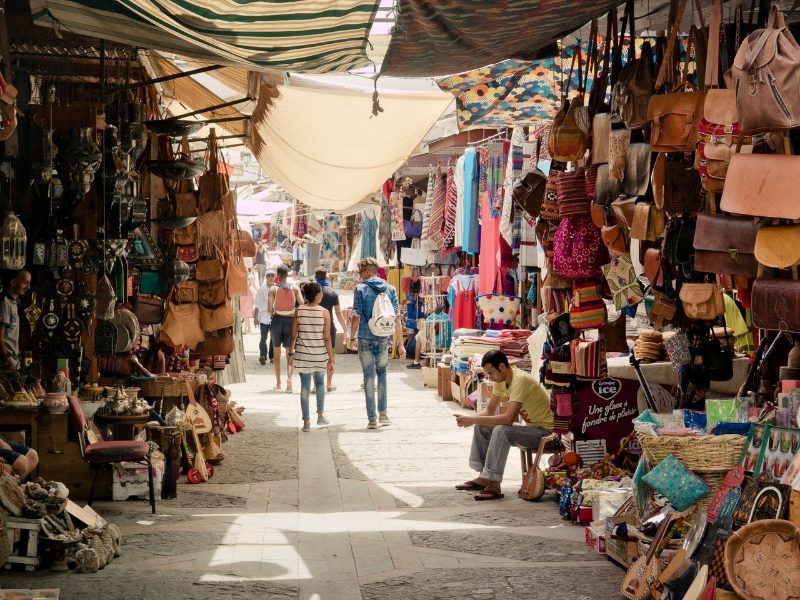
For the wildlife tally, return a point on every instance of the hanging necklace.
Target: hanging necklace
(32, 313)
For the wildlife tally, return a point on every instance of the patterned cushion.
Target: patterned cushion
(676, 483)
(107, 452)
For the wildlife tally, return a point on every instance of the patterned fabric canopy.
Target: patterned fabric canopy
(512, 92)
(437, 37)
(312, 36)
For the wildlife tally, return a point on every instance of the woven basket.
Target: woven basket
(699, 454)
(169, 387)
(777, 544)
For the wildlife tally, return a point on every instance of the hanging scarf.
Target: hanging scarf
(514, 158)
(450, 205)
(426, 215)
(437, 210)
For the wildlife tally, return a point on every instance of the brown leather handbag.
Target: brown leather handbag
(676, 185)
(528, 191)
(676, 115)
(237, 277)
(762, 185)
(648, 223)
(614, 239)
(184, 236)
(702, 301)
(654, 267)
(185, 291)
(568, 141)
(765, 76)
(212, 293)
(624, 209)
(217, 343)
(149, 309)
(243, 243)
(217, 317)
(776, 304)
(631, 93)
(725, 244)
(181, 326)
(210, 269)
(185, 204)
(778, 246)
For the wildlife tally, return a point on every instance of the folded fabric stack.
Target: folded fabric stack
(467, 345)
(649, 346)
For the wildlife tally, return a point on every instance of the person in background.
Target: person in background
(9, 319)
(298, 255)
(373, 351)
(330, 302)
(23, 460)
(494, 434)
(311, 351)
(261, 262)
(283, 297)
(261, 317)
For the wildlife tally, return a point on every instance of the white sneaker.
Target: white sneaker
(372, 424)
(383, 419)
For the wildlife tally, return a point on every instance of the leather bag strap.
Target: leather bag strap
(712, 58)
(673, 36)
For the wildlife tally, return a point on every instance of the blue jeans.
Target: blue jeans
(491, 443)
(374, 356)
(305, 388)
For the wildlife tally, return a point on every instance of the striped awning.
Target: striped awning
(311, 36)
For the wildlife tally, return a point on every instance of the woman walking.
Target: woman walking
(311, 350)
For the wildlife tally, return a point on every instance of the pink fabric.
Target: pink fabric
(490, 250)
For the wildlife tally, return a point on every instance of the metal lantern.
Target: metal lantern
(82, 158)
(12, 243)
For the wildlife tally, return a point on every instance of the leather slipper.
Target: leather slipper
(488, 495)
(470, 486)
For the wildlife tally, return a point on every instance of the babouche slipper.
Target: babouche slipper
(470, 486)
(488, 495)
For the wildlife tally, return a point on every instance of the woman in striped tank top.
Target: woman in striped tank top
(311, 350)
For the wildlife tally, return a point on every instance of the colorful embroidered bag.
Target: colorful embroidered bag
(621, 278)
(571, 190)
(578, 249)
(499, 309)
(586, 308)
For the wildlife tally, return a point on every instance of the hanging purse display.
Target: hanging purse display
(186, 291)
(623, 209)
(614, 239)
(578, 249)
(217, 343)
(187, 254)
(676, 184)
(549, 211)
(675, 116)
(607, 189)
(702, 301)
(185, 205)
(726, 244)
(528, 191)
(217, 317)
(621, 278)
(588, 359)
(181, 326)
(630, 96)
(654, 266)
(236, 276)
(648, 223)
(571, 190)
(637, 170)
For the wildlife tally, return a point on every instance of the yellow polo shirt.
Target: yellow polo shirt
(528, 392)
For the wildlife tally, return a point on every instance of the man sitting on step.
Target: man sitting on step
(495, 433)
(23, 460)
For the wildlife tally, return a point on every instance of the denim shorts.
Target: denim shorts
(17, 450)
(281, 331)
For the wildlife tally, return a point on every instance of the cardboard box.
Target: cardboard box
(595, 540)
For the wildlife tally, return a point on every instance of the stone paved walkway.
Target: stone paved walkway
(342, 513)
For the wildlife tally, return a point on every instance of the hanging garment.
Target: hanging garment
(458, 180)
(508, 184)
(471, 183)
(426, 213)
(369, 235)
(437, 211)
(528, 250)
(448, 228)
(384, 218)
(330, 237)
(490, 248)
(396, 208)
(464, 303)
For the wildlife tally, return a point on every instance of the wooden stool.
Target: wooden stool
(526, 454)
(26, 532)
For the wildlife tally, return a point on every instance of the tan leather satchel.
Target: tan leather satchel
(185, 236)
(702, 301)
(181, 326)
(217, 317)
(778, 246)
(648, 223)
(614, 239)
(568, 140)
(237, 277)
(762, 185)
(765, 76)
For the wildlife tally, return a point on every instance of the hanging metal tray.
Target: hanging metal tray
(176, 169)
(174, 127)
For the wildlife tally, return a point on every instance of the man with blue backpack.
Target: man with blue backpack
(376, 316)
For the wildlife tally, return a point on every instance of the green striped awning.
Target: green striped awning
(311, 36)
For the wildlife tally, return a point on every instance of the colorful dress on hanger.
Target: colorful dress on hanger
(463, 302)
(471, 185)
(490, 248)
(330, 237)
(369, 234)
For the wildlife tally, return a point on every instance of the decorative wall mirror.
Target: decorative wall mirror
(143, 252)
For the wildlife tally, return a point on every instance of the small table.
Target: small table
(122, 427)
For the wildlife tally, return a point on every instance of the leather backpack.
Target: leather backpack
(569, 136)
(528, 191)
(765, 77)
(631, 92)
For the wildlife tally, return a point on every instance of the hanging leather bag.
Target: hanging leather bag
(676, 184)
(185, 204)
(702, 301)
(528, 191)
(726, 244)
(568, 140)
(149, 309)
(765, 77)
(778, 246)
(236, 277)
(675, 116)
(184, 236)
(776, 304)
(243, 243)
(630, 95)
(217, 317)
(217, 343)
(181, 326)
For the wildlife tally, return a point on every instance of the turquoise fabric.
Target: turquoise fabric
(676, 483)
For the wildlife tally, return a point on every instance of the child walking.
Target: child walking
(311, 350)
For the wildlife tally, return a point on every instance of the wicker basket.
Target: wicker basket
(706, 453)
(168, 387)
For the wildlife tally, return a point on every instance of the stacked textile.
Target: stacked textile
(467, 345)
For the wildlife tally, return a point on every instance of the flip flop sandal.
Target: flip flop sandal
(470, 486)
(332, 388)
(488, 495)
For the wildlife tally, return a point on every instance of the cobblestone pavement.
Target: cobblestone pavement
(342, 512)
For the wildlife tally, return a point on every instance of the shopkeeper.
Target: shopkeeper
(495, 433)
(9, 319)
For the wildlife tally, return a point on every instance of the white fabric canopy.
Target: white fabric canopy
(325, 148)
